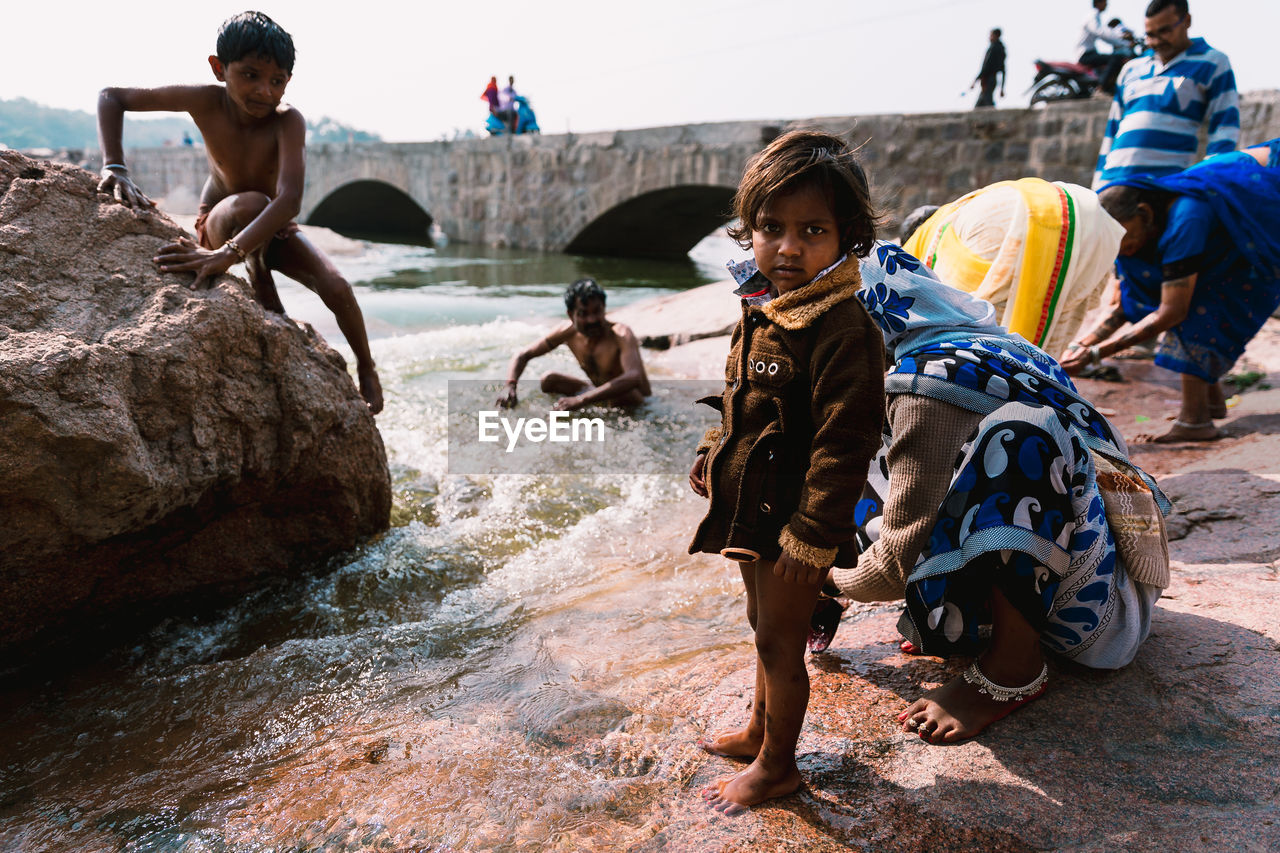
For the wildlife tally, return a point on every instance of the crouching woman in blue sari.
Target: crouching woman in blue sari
(1200, 260)
(1002, 507)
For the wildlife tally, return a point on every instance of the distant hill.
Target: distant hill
(25, 124)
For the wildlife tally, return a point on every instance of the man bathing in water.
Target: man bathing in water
(254, 191)
(607, 352)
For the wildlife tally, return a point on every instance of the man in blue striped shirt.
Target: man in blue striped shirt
(1164, 97)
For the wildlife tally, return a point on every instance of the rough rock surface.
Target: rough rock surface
(156, 443)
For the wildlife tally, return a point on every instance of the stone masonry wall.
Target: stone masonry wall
(540, 192)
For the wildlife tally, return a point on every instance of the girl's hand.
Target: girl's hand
(696, 480)
(186, 256)
(792, 570)
(118, 183)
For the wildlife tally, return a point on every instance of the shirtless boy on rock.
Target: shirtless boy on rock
(607, 352)
(254, 191)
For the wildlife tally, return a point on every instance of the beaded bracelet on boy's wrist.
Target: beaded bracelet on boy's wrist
(121, 166)
(235, 247)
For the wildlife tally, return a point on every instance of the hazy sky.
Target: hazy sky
(415, 70)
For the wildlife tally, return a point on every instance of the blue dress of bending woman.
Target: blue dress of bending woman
(1200, 261)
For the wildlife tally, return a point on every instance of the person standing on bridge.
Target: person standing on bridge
(992, 67)
(254, 191)
(507, 106)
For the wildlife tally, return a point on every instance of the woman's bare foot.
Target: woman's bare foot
(956, 711)
(909, 648)
(735, 794)
(1182, 431)
(737, 744)
(370, 387)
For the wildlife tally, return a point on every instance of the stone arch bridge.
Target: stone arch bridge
(656, 192)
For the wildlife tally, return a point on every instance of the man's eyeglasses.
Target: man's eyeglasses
(1164, 32)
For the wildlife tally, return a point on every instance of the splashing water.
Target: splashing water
(516, 664)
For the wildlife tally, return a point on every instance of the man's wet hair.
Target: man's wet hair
(254, 34)
(1155, 7)
(584, 289)
(808, 158)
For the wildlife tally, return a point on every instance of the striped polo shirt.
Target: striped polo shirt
(1158, 110)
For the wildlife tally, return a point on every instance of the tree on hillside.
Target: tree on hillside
(24, 124)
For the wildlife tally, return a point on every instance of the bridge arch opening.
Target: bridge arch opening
(372, 208)
(665, 223)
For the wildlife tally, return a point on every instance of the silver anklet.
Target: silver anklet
(1181, 423)
(974, 676)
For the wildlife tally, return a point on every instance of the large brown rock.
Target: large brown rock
(156, 443)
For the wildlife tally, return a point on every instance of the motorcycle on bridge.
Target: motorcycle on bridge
(1069, 81)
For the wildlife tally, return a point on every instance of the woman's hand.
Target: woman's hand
(118, 183)
(186, 256)
(1077, 357)
(696, 480)
(793, 570)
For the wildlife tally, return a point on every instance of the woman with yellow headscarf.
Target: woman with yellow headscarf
(1040, 252)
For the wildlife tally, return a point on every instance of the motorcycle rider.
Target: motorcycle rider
(1121, 42)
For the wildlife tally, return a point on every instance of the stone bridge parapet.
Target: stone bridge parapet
(658, 191)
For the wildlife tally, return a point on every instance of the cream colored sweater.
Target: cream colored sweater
(927, 437)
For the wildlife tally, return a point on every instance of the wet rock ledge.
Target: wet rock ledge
(157, 444)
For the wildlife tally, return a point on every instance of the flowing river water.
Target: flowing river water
(516, 664)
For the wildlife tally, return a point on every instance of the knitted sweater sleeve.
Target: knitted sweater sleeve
(927, 437)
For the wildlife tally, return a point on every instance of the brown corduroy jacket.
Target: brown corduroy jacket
(801, 415)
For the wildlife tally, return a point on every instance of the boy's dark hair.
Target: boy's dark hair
(584, 289)
(996, 32)
(253, 33)
(803, 158)
(1155, 7)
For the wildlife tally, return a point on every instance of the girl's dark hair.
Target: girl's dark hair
(808, 158)
(253, 33)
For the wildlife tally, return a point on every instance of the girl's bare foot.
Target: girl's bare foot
(1182, 431)
(956, 711)
(736, 744)
(735, 794)
(370, 387)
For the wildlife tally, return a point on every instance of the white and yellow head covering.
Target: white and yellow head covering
(1040, 252)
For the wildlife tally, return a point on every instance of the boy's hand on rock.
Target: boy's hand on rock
(186, 256)
(792, 570)
(123, 189)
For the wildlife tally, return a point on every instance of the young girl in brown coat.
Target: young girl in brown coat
(801, 418)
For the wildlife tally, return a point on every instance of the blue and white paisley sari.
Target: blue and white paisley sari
(1023, 511)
